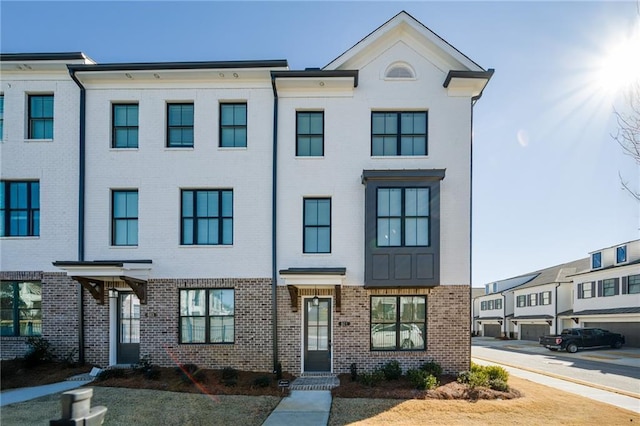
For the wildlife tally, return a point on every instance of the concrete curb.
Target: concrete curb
(565, 378)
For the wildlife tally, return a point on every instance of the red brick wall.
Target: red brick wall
(448, 338)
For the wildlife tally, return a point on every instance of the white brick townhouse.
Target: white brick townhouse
(244, 214)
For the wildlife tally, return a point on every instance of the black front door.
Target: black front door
(128, 328)
(317, 339)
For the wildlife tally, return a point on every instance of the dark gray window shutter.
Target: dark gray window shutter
(625, 285)
(599, 288)
(580, 290)
(616, 286)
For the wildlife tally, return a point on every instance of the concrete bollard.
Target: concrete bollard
(76, 409)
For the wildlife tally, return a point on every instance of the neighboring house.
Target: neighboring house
(243, 214)
(538, 302)
(607, 294)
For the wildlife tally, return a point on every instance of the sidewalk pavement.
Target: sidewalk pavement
(302, 408)
(13, 396)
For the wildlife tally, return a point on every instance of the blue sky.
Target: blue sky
(546, 169)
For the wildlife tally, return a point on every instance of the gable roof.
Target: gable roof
(555, 274)
(405, 22)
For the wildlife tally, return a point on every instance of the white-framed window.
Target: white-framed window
(545, 298)
(621, 254)
(586, 290)
(596, 260)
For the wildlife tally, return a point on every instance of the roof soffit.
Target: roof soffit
(404, 28)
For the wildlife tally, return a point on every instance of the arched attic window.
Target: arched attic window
(399, 71)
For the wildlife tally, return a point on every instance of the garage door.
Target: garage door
(492, 330)
(533, 331)
(631, 330)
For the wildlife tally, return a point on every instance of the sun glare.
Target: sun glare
(620, 65)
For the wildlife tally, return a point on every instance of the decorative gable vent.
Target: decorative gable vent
(399, 71)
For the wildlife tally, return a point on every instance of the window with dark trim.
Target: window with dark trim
(207, 316)
(403, 217)
(398, 323)
(317, 225)
(233, 125)
(609, 287)
(490, 304)
(20, 308)
(310, 133)
(533, 299)
(207, 217)
(633, 281)
(521, 301)
(545, 298)
(180, 125)
(398, 133)
(124, 227)
(498, 303)
(621, 254)
(483, 305)
(19, 209)
(125, 126)
(586, 290)
(40, 117)
(596, 260)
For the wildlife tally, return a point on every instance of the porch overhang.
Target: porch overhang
(300, 280)
(101, 275)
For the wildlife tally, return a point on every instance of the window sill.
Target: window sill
(232, 148)
(316, 254)
(123, 247)
(18, 237)
(404, 157)
(309, 157)
(178, 148)
(37, 140)
(123, 149)
(206, 246)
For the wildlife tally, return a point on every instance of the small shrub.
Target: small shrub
(499, 385)
(262, 381)
(422, 380)
(112, 373)
(229, 373)
(373, 378)
(392, 370)
(39, 351)
(354, 371)
(70, 358)
(463, 377)
(496, 372)
(478, 378)
(432, 368)
(279, 371)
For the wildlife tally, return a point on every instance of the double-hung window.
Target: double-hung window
(633, 281)
(403, 217)
(398, 133)
(317, 225)
(521, 301)
(1, 116)
(207, 217)
(398, 323)
(125, 218)
(498, 303)
(545, 298)
(207, 316)
(233, 125)
(40, 117)
(20, 308)
(125, 126)
(586, 290)
(19, 209)
(609, 287)
(180, 125)
(309, 134)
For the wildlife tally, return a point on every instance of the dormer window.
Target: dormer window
(399, 71)
(596, 260)
(621, 254)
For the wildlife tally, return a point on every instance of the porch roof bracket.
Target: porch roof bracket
(139, 287)
(95, 287)
(293, 294)
(338, 298)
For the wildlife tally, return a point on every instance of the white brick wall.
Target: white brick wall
(54, 163)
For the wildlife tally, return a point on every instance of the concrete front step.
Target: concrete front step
(315, 381)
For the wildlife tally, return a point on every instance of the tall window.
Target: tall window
(125, 218)
(19, 209)
(180, 125)
(207, 316)
(317, 225)
(1, 116)
(20, 308)
(403, 217)
(533, 299)
(596, 260)
(233, 125)
(125, 126)
(621, 254)
(309, 134)
(634, 284)
(40, 116)
(207, 217)
(498, 303)
(399, 133)
(586, 290)
(398, 323)
(545, 298)
(609, 287)
(521, 301)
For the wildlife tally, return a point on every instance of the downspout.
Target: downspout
(81, 202)
(274, 223)
(504, 313)
(471, 226)
(555, 317)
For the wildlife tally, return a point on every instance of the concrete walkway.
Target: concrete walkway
(13, 396)
(302, 408)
